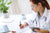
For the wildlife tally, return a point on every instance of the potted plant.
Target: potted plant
(4, 8)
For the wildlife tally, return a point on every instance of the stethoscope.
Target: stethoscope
(35, 21)
(45, 19)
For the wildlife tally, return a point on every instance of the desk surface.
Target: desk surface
(13, 24)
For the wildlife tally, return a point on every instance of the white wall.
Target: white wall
(20, 7)
(14, 8)
(24, 6)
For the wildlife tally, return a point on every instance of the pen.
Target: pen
(36, 22)
(20, 24)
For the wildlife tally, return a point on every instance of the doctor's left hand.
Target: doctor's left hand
(41, 31)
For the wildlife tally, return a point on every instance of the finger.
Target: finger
(20, 24)
(22, 27)
(41, 29)
(36, 30)
(13, 31)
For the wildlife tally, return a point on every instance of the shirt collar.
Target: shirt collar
(44, 14)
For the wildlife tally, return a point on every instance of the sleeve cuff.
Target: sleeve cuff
(49, 31)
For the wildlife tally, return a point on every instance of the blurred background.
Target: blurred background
(20, 7)
(18, 10)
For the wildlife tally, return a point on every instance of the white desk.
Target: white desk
(13, 24)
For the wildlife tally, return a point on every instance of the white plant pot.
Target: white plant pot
(1, 14)
(6, 15)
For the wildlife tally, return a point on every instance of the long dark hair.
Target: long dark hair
(43, 2)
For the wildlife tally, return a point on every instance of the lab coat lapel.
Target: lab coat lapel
(45, 13)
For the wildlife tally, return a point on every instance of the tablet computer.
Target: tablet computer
(32, 28)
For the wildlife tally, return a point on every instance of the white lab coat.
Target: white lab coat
(42, 22)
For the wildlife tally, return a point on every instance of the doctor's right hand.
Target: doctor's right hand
(14, 32)
(23, 25)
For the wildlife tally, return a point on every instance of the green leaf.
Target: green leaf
(0, 0)
(3, 7)
(7, 8)
(0, 5)
(9, 3)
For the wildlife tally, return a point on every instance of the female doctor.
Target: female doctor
(41, 7)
